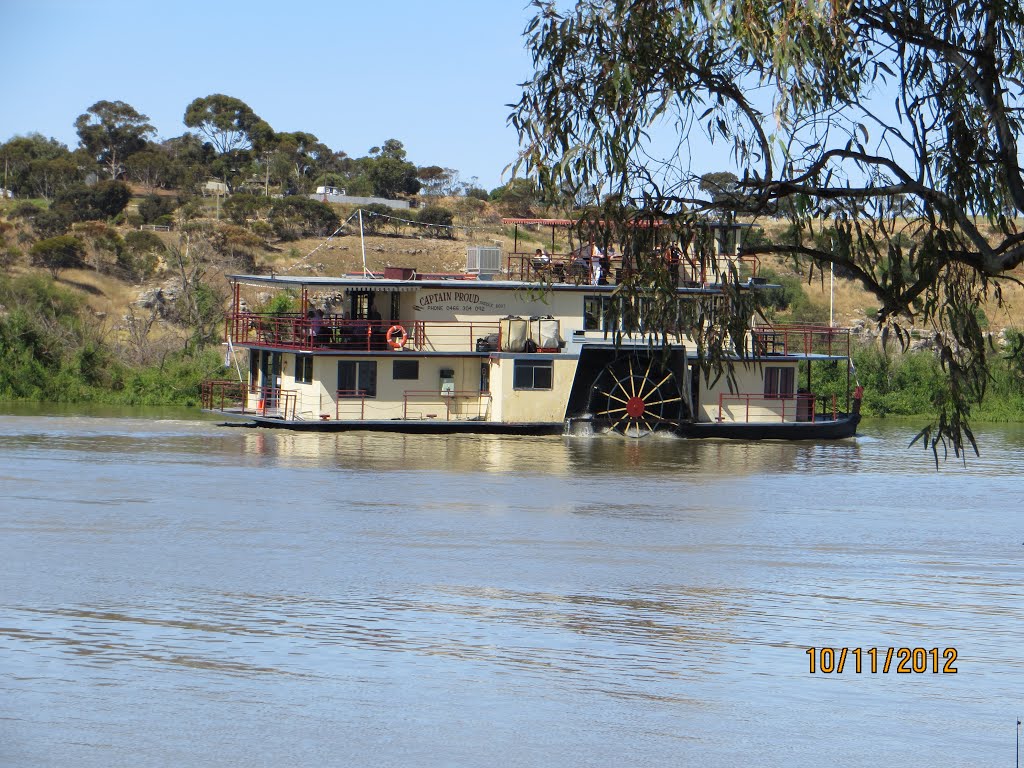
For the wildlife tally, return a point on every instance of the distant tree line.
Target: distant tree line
(229, 142)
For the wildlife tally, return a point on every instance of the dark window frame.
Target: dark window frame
(525, 378)
(779, 381)
(396, 364)
(303, 369)
(363, 376)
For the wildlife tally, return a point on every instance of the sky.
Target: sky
(437, 76)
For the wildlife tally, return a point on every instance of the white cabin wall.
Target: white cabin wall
(533, 405)
(749, 380)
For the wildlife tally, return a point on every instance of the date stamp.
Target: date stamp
(902, 661)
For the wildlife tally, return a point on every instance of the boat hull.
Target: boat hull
(832, 429)
(427, 427)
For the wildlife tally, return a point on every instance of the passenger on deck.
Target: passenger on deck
(311, 326)
(378, 332)
(540, 261)
(321, 332)
(595, 265)
(606, 265)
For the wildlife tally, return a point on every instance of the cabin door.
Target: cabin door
(270, 376)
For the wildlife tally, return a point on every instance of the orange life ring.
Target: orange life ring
(397, 337)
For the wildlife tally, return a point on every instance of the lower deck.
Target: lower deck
(633, 391)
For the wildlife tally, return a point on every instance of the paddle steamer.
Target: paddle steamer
(523, 342)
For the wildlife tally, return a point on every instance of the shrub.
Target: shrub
(58, 253)
(140, 256)
(295, 217)
(375, 217)
(154, 207)
(81, 203)
(438, 221)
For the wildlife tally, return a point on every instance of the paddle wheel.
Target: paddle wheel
(636, 396)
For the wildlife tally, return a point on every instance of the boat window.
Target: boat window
(485, 377)
(532, 374)
(303, 369)
(360, 306)
(357, 378)
(405, 369)
(779, 381)
(598, 314)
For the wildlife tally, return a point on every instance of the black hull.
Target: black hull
(832, 429)
(422, 427)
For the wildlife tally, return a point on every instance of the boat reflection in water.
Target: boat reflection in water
(602, 455)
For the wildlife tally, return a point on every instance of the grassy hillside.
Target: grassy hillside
(112, 348)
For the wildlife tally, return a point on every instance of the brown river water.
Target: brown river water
(174, 592)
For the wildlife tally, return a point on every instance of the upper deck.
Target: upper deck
(363, 315)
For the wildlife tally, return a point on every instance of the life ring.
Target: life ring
(397, 337)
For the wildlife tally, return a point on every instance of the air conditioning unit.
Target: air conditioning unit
(484, 261)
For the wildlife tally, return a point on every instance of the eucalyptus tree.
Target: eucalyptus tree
(149, 167)
(29, 164)
(229, 123)
(111, 131)
(896, 124)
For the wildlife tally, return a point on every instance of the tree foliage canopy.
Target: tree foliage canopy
(229, 123)
(894, 123)
(111, 131)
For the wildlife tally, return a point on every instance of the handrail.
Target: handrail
(803, 339)
(559, 268)
(220, 391)
(350, 394)
(447, 397)
(334, 332)
(804, 404)
(277, 399)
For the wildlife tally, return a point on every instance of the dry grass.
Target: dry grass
(110, 297)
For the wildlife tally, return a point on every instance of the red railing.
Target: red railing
(294, 331)
(444, 400)
(348, 395)
(801, 340)
(221, 394)
(558, 268)
(800, 407)
(277, 402)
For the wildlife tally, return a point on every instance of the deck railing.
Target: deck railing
(350, 397)
(298, 332)
(799, 407)
(274, 401)
(453, 403)
(564, 268)
(222, 394)
(801, 340)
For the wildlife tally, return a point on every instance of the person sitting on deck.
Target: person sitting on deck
(540, 261)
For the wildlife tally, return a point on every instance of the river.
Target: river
(175, 592)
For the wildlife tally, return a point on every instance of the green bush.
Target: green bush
(153, 207)
(295, 217)
(140, 256)
(51, 349)
(438, 221)
(58, 253)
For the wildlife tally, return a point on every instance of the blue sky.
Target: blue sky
(437, 75)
